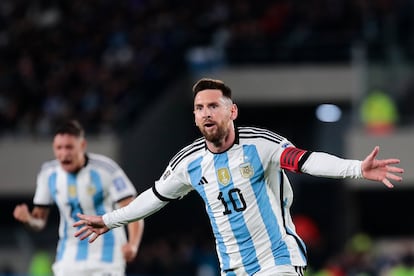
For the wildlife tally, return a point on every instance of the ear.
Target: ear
(234, 112)
(84, 144)
(195, 121)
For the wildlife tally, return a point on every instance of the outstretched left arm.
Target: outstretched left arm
(142, 206)
(328, 165)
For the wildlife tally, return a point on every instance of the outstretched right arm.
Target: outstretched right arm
(143, 206)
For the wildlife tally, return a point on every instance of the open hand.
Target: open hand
(90, 225)
(381, 170)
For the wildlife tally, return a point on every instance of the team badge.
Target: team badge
(72, 191)
(246, 170)
(223, 176)
(91, 190)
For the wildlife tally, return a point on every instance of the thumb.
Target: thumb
(374, 153)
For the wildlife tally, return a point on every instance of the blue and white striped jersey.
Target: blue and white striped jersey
(247, 198)
(93, 190)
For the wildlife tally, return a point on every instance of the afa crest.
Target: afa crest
(72, 191)
(91, 190)
(246, 170)
(223, 176)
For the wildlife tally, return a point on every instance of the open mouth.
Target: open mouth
(209, 126)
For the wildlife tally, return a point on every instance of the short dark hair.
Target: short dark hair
(206, 83)
(72, 127)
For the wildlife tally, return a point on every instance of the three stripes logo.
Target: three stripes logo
(203, 181)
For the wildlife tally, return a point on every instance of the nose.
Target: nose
(207, 116)
(206, 113)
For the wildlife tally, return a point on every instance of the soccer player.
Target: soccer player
(79, 181)
(240, 174)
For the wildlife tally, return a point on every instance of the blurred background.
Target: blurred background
(330, 75)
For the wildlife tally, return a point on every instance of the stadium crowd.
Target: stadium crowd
(106, 61)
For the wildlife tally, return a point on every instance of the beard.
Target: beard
(216, 136)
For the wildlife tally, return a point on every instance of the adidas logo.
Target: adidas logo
(203, 181)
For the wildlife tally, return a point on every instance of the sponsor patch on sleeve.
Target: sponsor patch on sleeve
(166, 174)
(285, 145)
(119, 184)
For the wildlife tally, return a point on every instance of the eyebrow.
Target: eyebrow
(208, 104)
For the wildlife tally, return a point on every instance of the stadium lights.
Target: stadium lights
(328, 113)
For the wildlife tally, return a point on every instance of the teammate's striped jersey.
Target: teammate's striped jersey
(247, 198)
(93, 190)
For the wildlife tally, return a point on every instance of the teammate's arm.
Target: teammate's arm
(135, 232)
(36, 219)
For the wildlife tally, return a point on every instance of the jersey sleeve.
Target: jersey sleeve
(43, 195)
(278, 152)
(141, 207)
(328, 165)
(173, 184)
(121, 186)
(316, 163)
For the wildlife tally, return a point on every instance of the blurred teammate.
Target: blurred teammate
(90, 183)
(240, 174)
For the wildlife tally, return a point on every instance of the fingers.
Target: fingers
(93, 238)
(391, 173)
(82, 222)
(374, 153)
(21, 212)
(394, 177)
(395, 169)
(90, 235)
(83, 233)
(86, 232)
(391, 161)
(19, 209)
(21, 206)
(387, 183)
(81, 216)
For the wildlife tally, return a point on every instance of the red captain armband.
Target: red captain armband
(290, 158)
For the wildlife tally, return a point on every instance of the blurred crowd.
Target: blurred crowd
(319, 30)
(106, 61)
(101, 61)
(364, 256)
